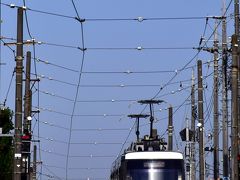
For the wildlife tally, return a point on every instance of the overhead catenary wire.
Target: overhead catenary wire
(89, 168)
(138, 48)
(53, 125)
(47, 62)
(26, 19)
(38, 11)
(92, 156)
(106, 115)
(103, 72)
(113, 100)
(13, 51)
(55, 65)
(110, 85)
(171, 79)
(77, 89)
(77, 156)
(53, 174)
(102, 129)
(51, 139)
(35, 68)
(8, 90)
(200, 49)
(84, 129)
(99, 115)
(78, 168)
(96, 85)
(204, 77)
(79, 115)
(52, 152)
(139, 19)
(209, 107)
(51, 13)
(52, 166)
(181, 87)
(89, 101)
(116, 100)
(185, 66)
(96, 143)
(87, 72)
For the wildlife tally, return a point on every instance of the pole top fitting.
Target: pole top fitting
(138, 115)
(80, 19)
(150, 101)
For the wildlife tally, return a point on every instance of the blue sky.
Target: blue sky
(115, 74)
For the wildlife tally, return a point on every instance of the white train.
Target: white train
(147, 158)
(149, 164)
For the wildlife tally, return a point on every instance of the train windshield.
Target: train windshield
(155, 170)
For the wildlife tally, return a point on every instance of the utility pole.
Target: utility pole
(234, 127)
(236, 17)
(215, 114)
(193, 112)
(26, 138)
(236, 22)
(18, 100)
(28, 95)
(224, 95)
(170, 128)
(201, 123)
(187, 151)
(34, 176)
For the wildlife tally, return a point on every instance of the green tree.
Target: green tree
(6, 145)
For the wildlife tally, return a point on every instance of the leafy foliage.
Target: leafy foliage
(6, 145)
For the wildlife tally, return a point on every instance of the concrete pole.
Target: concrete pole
(215, 114)
(235, 95)
(27, 119)
(27, 104)
(234, 127)
(225, 134)
(18, 100)
(170, 128)
(201, 123)
(193, 112)
(34, 176)
(187, 150)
